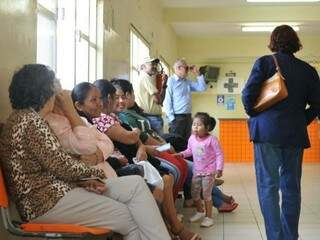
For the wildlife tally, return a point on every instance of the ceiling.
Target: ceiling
(211, 18)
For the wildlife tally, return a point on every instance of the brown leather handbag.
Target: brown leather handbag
(273, 90)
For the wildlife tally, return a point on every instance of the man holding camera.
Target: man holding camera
(147, 95)
(177, 102)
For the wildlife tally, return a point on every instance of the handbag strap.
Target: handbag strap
(277, 66)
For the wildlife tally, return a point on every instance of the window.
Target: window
(165, 66)
(46, 33)
(139, 50)
(76, 56)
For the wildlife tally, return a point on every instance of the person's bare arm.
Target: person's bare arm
(64, 102)
(120, 134)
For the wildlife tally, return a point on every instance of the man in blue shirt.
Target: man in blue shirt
(177, 102)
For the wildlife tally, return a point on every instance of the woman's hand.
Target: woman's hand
(178, 155)
(90, 160)
(219, 173)
(93, 186)
(93, 159)
(64, 102)
(142, 153)
(172, 150)
(123, 160)
(99, 156)
(136, 130)
(152, 150)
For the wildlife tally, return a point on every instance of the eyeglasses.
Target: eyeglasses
(187, 68)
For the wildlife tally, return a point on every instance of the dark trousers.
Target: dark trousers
(181, 125)
(279, 168)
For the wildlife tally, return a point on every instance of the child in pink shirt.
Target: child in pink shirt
(207, 164)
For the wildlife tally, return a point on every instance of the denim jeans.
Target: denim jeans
(156, 123)
(216, 192)
(279, 168)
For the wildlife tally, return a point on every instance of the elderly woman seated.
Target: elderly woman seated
(43, 179)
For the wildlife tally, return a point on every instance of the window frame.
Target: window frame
(135, 32)
(51, 16)
(93, 50)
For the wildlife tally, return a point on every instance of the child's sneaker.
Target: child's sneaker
(197, 216)
(207, 222)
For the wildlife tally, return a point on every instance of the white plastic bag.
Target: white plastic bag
(151, 174)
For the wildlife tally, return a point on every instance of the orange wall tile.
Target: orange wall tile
(234, 138)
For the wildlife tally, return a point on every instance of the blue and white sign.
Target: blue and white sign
(230, 103)
(220, 99)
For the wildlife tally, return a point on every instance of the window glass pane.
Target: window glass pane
(93, 21)
(92, 65)
(51, 5)
(83, 16)
(66, 44)
(139, 51)
(134, 74)
(82, 60)
(135, 50)
(46, 41)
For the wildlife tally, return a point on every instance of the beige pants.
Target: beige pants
(127, 207)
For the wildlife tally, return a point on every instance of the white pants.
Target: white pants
(127, 208)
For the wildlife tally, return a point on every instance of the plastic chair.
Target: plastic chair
(48, 231)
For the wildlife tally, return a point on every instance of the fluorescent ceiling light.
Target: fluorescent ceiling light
(271, 24)
(263, 28)
(280, 1)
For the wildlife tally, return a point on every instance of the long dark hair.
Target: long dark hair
(79, 94)
(106, 89)
(208, 122)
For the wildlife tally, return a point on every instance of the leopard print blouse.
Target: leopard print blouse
(38, 171)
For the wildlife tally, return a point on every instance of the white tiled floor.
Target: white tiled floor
(246, 222)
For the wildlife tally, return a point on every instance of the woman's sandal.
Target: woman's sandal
(229, 208)
(184, 233)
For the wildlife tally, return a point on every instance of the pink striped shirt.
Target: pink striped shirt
(207, 154)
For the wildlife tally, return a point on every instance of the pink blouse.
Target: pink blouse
(82, 140)
(104, 122)
(207, 154)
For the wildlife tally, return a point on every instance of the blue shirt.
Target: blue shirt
(178, 95)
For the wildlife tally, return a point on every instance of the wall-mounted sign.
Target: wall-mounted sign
(220, 99)
(230, 103)
(230, 85)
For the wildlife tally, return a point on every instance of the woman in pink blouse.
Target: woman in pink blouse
(81, 140)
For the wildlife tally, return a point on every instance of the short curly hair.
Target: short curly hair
(32, 86)
(284, 38)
